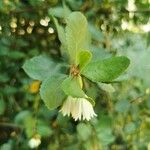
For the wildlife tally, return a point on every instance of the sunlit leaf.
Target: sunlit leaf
(71, 86)
(84, 58)
(76, 35)
(106, 70)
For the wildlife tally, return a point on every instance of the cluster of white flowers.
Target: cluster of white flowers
(79, 108)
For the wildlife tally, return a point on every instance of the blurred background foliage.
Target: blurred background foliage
(123, 107)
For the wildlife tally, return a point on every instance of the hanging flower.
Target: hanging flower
(34, 142)
(78, 108)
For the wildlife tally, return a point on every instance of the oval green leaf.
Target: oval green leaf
(71, 86)
(84, 58)
(106, 70)
(51, 92)
(39, 67)
(76, 35)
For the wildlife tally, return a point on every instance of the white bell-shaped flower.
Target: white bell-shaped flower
(34, 142)
(79, 108)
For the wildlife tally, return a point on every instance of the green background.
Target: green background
(123, 107)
